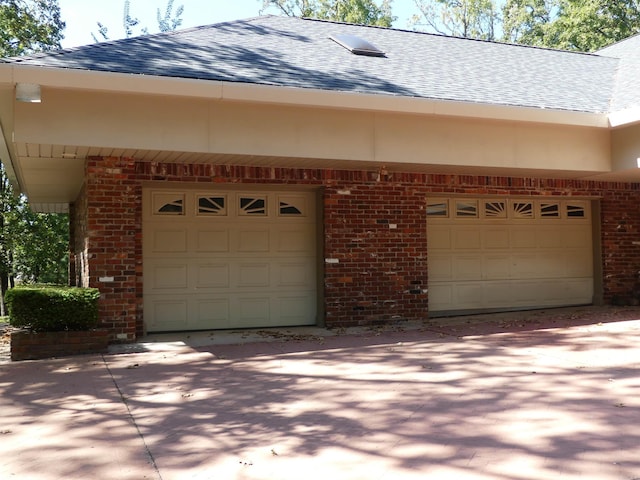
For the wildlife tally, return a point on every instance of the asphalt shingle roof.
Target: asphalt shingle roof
(627, 90)
(293, 52)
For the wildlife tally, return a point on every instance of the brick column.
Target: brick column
(112, 229)
(375, 254)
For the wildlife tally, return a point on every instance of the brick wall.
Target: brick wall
(374, 232)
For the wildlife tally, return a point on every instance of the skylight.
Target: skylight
(357, 45)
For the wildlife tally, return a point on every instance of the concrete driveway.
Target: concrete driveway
(511, 397)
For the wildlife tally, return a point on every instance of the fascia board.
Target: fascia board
(8, 163)
(247, 92)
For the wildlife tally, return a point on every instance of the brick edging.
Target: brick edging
(27, 345)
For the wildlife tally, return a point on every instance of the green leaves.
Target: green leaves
(28, 26)
(363, 12)
(34, 247)
(53, 308)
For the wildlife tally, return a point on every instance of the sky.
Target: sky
(81, 16)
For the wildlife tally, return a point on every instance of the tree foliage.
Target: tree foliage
(167, 22)
(583, 25)
(362, 12)
(34, 247)
(28, 26)
(588, 25)
(461, 18)
(528, 21)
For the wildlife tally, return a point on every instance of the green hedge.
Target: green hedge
(53, 308)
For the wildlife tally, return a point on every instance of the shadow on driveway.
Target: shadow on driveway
(479, 400)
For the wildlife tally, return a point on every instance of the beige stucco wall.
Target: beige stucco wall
(156, 122)
(625, 148)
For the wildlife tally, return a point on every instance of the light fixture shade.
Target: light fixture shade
(28, 92)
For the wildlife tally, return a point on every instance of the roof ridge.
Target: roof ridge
(442, 35)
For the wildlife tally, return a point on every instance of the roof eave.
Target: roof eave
(7, 161)
(294, 96)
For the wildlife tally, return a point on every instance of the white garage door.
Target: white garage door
(228, 259)
(497, 254)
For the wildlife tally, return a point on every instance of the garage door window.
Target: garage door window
(168, 204)
(438, 207)
(522, 209)
(549, 210)
(292, 206)
(467, 208)
(253, 206)
(216, 205)
(576, 210)
(495, 209)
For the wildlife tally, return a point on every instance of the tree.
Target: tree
(461, 18)
(528, 22)
(167, 22)
(34, 247)
(583, 25)
(28, 26)
(41, 245)
(588, 25)
(362, 12)
(170, 21)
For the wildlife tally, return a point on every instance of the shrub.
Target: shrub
(53, 308)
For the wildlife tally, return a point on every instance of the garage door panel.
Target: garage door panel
(496, 238)
(522, 237)
(467, 239)
(292, 240)
(441, 297)
(294, 274)
(169, 276)
(251, 275)
(468, 267)
(497, 267)
(579, 288)
(169, 241)
(468, 294)
(253, 241)
(532, 253)
(579, 264)
(212, 275)
(550, 238)
(494, 294)
(578, 238)
(253, 311)
(525, 266)
(440, 268)
(212, 241)
(168, 313)
(211, 312)
(552, 264)
(524, 293)
(439, 239)
(292, 309)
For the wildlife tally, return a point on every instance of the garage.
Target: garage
(228, 259)
(490, 254)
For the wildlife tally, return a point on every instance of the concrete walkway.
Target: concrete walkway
(509, 399)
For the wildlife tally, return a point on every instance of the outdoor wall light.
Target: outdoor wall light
(28, 92)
